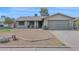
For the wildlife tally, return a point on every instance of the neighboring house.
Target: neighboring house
(2, 25)
(2, 22)
(57, 21)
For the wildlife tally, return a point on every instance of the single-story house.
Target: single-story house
(2, 19)
(57, 21)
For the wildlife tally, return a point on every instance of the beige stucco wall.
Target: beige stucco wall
(59, 17)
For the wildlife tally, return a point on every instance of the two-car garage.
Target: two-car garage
(58, 24)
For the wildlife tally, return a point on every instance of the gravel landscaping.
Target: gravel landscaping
(33, 38)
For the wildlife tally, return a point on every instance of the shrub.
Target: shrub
(45, 27)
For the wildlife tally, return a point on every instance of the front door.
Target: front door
(40, 23)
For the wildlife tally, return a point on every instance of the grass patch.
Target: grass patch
(5, 30)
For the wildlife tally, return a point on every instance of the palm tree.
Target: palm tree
(9, 21)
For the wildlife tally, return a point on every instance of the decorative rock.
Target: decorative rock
(14, 37)
(4, 39)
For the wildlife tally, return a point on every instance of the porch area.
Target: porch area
(29, 24)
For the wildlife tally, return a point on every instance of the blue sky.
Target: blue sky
(15, 12)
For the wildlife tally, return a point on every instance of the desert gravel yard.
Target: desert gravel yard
(32, 38)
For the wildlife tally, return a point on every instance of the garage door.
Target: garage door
(58, 24)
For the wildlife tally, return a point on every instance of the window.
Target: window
(21, 22)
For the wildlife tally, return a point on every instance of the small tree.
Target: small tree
(9, 21)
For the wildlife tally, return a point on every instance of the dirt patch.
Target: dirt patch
(33, 34)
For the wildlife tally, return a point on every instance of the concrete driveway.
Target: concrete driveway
(71, 38)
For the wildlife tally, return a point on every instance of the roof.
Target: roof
(62, 15)
(39, 18)
(30, 18)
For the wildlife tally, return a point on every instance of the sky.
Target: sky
(15, 12)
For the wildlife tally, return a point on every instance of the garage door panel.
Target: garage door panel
(58, 25)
